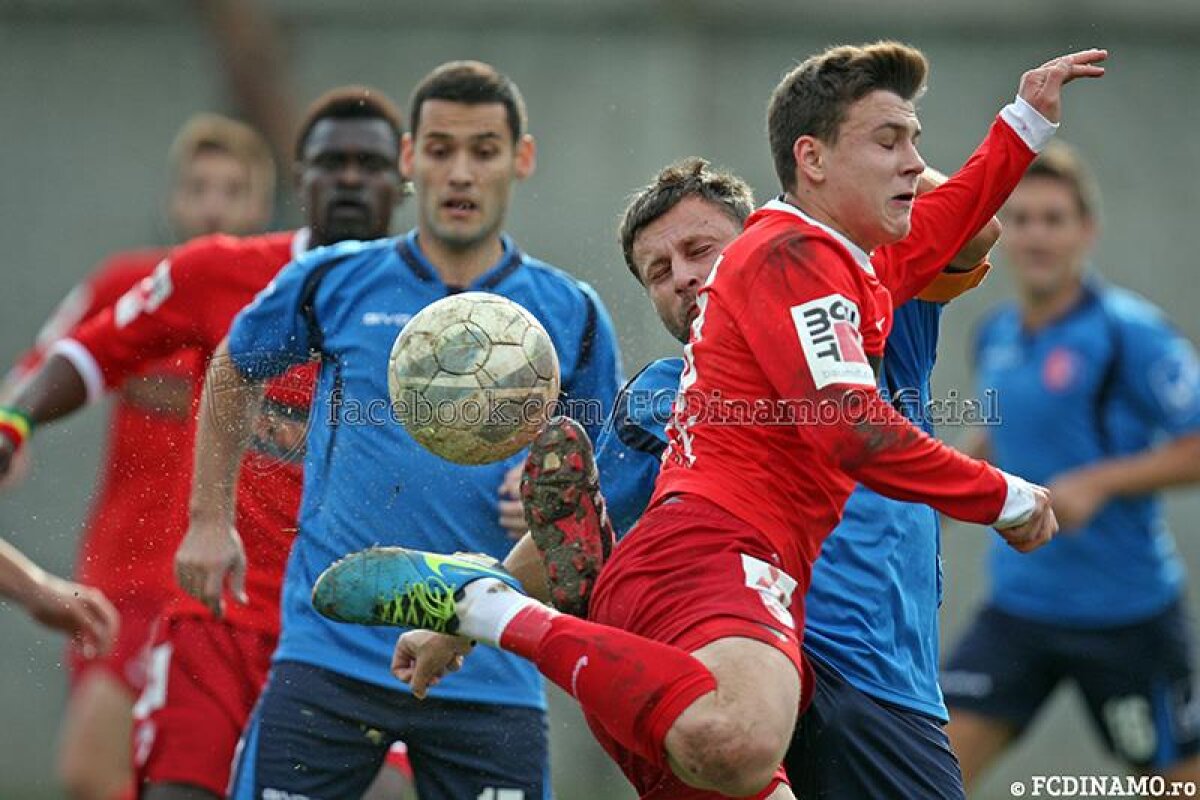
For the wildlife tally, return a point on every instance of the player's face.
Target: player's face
(350, 179)
(674, 255)
(871, 171)
(215, 193)
(463, 162)
(1047, 236)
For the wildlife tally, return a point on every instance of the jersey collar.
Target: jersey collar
(511, 259)
(860, 255)
(300, 241)
(1091, 289)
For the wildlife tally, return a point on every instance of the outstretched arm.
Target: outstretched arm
(153, 318)
(980, 245)
(80, 611)
(869, 440)
(211, 553)
(947, 219)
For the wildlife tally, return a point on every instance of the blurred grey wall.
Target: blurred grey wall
(91, 93)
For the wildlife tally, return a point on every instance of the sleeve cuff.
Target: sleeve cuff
(1019, 503)
(949, 285)
(84, 363)
(1028, 123)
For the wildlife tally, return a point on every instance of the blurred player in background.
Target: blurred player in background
(208, 664)
(222, 179)
(331, 709)
(81, 612)
(1100, 400)
(696, 605)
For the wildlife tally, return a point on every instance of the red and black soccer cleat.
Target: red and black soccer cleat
(560, 489)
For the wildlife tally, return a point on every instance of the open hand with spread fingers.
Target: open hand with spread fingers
(1042, 87)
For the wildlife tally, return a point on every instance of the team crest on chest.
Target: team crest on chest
(1060, 369)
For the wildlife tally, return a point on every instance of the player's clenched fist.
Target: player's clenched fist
(1035, 530)
(1042, 87)
(209, 553)
(422, 658)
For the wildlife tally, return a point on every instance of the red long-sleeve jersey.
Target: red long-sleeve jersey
(779, 415)
(188, 304)
(147, 451)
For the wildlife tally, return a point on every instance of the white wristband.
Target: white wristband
(1019, 503)
(1028, 123)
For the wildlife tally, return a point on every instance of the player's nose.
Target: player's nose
(913, 163)
(460, 170)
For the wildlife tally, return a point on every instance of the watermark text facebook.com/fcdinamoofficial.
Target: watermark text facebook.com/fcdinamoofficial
(506, 407)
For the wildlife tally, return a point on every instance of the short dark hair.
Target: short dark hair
(350, 102)
(472, 83)
(813, 99)
(691, 177)
(1061, 162)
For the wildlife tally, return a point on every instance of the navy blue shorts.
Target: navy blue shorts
(850, 745)
(319, 735)
(1136, 679)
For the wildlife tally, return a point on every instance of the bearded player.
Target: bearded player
(208, 664)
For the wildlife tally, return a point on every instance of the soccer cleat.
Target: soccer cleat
(401, 587)
(565, 511)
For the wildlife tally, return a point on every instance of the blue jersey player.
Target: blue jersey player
(330, 709)
(875, 725)
(1099, 399)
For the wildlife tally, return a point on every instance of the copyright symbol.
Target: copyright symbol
(1017, 789)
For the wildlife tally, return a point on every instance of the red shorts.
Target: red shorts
(204, 677)
(397, 759)
(689, 574)
(127, 660)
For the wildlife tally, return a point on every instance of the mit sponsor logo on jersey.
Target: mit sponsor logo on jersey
(832, 344)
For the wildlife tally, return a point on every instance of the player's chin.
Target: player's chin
(342, 230)
(897, 226)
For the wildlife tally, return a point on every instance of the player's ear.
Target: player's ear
(809, 153)
(406, 156)
(526, 157)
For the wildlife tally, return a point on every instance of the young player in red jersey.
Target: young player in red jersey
(699, 629)
(207, 664)
(222, 180)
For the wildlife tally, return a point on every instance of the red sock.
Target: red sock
(635, 687)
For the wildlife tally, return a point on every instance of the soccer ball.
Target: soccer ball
(473, 377)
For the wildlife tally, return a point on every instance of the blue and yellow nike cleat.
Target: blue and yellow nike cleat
(401, 587)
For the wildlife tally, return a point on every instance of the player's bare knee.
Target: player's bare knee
(726, 752)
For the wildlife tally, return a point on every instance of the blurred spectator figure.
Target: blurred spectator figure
(222, 179)
(1099, 399)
